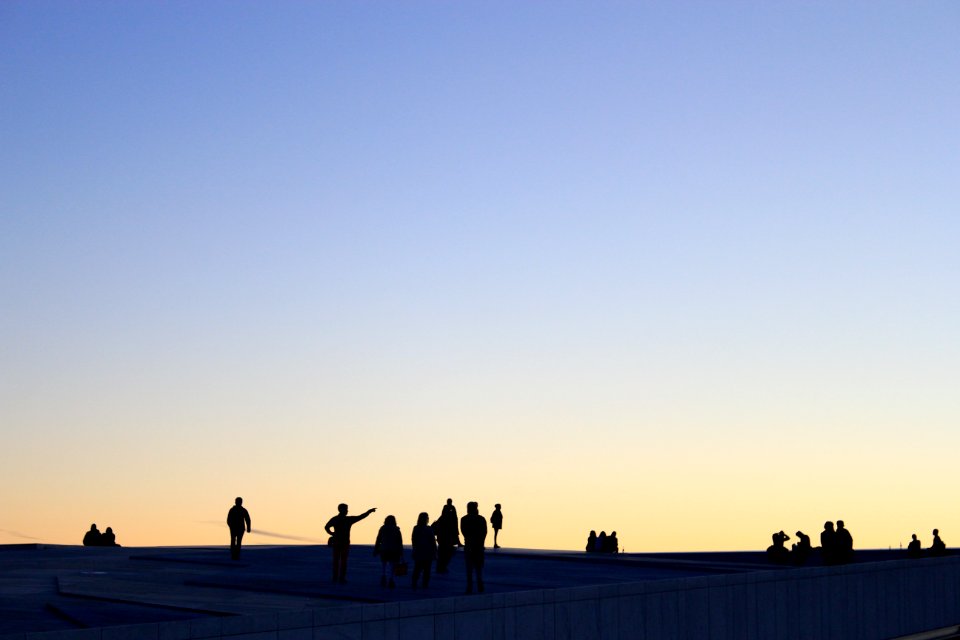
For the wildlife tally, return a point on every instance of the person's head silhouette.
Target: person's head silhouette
(839, 524)
(496, 506)
(914, 536)
(828, 525)
(342, 509)
(473, 508)
(450, 501)
(390, 521)
(422, 518)
(936, 532)
(239, 501)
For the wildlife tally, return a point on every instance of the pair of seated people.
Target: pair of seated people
(777, 553)
(94, 538)
(938, 548)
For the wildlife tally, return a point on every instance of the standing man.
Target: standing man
(338, 527)
(238, 518)
(496, 521)
(474, 529)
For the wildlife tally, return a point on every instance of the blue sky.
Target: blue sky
(391, 227)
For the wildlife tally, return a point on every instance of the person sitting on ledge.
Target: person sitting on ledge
(592, 542)
(938, 548)
(844, 544)
(914, 549)
(801, 550)
(92, 537)
(109, 538)
(613, 545)
(777, 553)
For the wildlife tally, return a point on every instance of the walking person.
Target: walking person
(496, 521)
(474, 529)
(238, 520)
(338, 528)
(424, 542)
(389, 546)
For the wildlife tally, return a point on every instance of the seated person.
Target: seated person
(777, 553)
(801, 550)
(108, 539)
(613, 545)
(938, 548)
(92, 537)
(592, 542)
(601, 542)
(913, 549)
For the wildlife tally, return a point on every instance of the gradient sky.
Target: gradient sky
(684, 270)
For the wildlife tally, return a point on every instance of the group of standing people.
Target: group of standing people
(430, 542)
(603, 543)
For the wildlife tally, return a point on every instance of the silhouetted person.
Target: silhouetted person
(777, 553)
(338, 528)
(801, 549)
(451, 512)
(447, 538)
(592, 542)
(496, 521)
(474, 528)
(92, 538)
(424, 543)
(613, 545)
(844, 542)
(238, 519)
(601, 542)
(389, 546)
(828, 544)
(109, 539)
(914, 549)
(938, 548)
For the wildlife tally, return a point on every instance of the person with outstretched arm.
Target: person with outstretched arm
(338, 528)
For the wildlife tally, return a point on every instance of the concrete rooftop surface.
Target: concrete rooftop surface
(58, 588)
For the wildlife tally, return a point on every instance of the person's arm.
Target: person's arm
(327, 527)
(246, 518)
(366, 513)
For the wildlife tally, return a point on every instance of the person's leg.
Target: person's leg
(478, 561)
(417, 570)
(495, 532)
(468, 561)
(389, 571)
(344, 554)
(239, 542)
(426, 573)
(336, 562)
